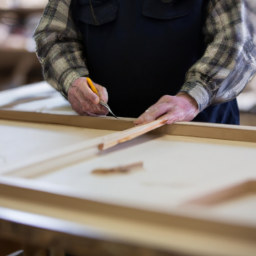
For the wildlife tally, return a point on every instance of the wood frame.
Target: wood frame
(220, 236)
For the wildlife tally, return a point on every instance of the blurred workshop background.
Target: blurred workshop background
(19, 65)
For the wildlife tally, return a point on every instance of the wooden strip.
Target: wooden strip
(225, 194)
(117, 138)
(221, 195)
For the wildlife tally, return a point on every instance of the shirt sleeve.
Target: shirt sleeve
(229, 61)
(59, 46)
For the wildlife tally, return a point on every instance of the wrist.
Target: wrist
(78, 81)
(189, 98)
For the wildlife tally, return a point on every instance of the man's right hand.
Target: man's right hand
(84, 101)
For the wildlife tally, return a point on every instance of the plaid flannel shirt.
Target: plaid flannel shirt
(219, 76)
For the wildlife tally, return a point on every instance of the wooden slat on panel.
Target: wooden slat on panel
(225, 194)
(126, 135)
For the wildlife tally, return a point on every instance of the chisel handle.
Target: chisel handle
(90, 83)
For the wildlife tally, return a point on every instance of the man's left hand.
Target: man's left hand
(181, 107)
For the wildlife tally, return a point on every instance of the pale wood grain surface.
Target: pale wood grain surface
(19, 141)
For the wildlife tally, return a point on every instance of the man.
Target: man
(181, 60)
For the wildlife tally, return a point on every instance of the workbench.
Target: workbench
(194, 195)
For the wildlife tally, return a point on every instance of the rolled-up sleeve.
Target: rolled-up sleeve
(59, 46)
(229, 61)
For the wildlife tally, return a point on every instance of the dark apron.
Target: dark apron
(141, 50)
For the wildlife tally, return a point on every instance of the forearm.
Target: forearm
(59, 46)
(230, 58)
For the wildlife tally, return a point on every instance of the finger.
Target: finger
(102, 92)
(88, 94)
(166, 99)
(79, 101)
(178, 114)
(175, 115)
(153, 113)
(99, 110)
(78, 108)
(81, 85)
(84, 107)
(90, 108)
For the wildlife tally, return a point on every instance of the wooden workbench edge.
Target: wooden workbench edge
(65, 198)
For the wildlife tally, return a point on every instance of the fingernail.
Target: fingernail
(136, 122)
